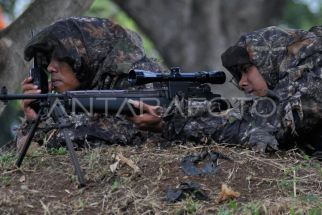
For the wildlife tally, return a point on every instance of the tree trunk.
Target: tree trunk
(193, 33)
(13, 68)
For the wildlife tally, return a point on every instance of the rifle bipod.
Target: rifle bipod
(58, 114)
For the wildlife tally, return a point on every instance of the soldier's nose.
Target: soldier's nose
(52, 67)
(243, 81)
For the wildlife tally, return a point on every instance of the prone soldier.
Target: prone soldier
(86, 53)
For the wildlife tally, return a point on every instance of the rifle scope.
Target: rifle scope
(139, 77)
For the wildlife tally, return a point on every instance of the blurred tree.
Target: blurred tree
(8, 7)
(10, 120)
(108, 9)
(2, 21)
(297, 14)
(292, 13)
(193, 33)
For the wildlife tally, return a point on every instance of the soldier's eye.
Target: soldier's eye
(245, 68)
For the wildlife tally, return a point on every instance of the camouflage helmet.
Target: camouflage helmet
(94, 47)
(275, 51)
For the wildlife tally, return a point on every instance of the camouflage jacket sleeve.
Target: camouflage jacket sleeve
(40, 135)
(85, 131)
(239, 125)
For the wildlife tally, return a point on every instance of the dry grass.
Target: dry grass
(282, 183)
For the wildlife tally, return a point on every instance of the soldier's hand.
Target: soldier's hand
(150, 120)
(261, 141)
(29, 88)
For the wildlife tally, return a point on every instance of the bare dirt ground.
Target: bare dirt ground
(133, 180)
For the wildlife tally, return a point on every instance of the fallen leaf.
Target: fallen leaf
(24, 187)
(114, 166)
(227, 193)
(29, 205)
(22, 179)
(129, 162)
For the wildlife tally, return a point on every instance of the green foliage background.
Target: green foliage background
(297, 14)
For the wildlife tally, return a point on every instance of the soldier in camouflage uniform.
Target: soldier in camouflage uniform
(86, 53)
(281, 72)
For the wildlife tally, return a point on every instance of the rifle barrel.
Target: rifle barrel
(5, 97)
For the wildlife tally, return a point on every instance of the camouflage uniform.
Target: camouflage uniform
(101, 53)
(291, 63)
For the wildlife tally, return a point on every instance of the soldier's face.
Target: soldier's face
(252, 82)
(62, 76)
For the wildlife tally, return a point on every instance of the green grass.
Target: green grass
(59, 151)
(115, 186)
(7, 159)
(232, 207)
(5, 180)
